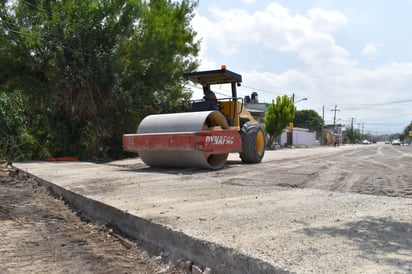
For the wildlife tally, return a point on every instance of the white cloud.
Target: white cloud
(370, 50)
(387, 82)
(281, 83)
(327, 21)
(276, 28)
(207, 64)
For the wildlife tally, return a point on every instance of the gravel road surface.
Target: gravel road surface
(346, 209)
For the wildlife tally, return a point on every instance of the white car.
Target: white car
(366, 142)
(396, 142)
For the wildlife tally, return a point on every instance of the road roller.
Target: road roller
(203, 137)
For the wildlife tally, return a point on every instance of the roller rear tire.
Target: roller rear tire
(253, 143)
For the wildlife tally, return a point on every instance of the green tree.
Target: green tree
(407, 131)
(352, 135)
(13, 125)
(309, 119)
(91, 69)
(278, 116)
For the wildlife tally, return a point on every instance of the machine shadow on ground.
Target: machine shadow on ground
(371, 232)
(175, 171)
(142, 168)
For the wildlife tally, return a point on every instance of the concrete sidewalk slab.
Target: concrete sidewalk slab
(232, 224)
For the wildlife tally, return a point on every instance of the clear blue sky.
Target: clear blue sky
(353, 54)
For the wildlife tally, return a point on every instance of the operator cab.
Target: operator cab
(213, 77)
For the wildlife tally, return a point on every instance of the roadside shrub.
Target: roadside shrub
(16, 141)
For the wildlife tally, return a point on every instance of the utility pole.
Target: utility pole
(351, 127)
(291, 124)
(335, 140)
(334, 115)
(323, 114)
(323, 124)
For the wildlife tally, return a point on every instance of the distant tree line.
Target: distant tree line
(354, 136)
(77, 74)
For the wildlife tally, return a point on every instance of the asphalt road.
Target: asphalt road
(346, 209)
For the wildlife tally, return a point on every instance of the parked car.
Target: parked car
(366, 142)
(396, 142)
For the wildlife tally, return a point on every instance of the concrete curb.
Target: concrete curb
(207, 254)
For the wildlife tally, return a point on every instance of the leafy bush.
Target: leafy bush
(16, 143)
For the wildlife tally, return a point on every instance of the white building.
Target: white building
(300, 137)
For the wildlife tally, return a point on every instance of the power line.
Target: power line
(75, 50)
(24, 34)
(39, 8)
(197, 87)
(389, 103)
(261, 90)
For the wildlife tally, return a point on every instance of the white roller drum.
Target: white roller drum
(183, 122)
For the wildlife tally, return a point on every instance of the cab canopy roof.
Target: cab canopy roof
(213, 77)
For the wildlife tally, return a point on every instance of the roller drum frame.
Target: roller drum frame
(196, 139)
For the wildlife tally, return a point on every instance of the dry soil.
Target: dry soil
(39, 233)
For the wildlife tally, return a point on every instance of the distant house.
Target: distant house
(301, 136)
(333, 134)
(256, 109)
